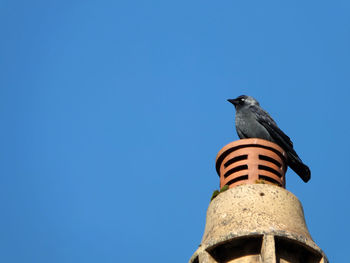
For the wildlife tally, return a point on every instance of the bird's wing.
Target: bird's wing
(282, 140)
(270, 125)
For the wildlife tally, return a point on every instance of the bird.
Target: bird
(252, 121)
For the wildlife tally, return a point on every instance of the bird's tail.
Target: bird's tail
(298, 166)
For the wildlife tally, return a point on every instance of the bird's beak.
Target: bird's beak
(233, 101)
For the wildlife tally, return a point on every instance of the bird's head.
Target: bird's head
(243, 100)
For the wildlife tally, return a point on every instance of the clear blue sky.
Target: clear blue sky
(113, 112)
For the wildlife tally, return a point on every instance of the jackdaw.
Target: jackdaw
(254, 122)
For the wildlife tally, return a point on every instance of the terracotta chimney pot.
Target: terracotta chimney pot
(251, 161)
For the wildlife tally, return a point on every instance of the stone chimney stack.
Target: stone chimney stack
(256, 219)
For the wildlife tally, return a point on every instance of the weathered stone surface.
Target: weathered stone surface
(260, 211)
(254, 208)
